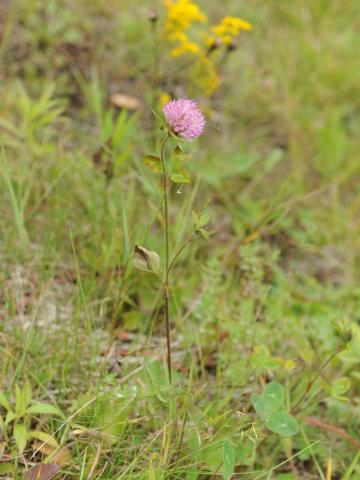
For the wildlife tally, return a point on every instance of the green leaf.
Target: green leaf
(6, 468)
(44, 437)
(131, 320)
(20, 435)
(201, 220)
(259, 404)
(19, 401)
(4, 401)
(229, 460)
(153, 162)
(43, 408)
(2, 430)
(180, 175)
(204, 233)
(273, 396)
(179, 158)
(27, 393)
(192, 474)
(282, 423)
(9, 417)
(262, 360)
(340, 386)
(271, 401)
(22, 398)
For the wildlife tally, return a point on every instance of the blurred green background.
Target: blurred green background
(268, 296)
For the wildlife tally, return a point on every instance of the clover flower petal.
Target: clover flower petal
(184, 118)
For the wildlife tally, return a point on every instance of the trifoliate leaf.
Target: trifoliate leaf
(282, 423)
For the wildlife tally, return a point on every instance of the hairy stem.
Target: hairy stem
(167, 255)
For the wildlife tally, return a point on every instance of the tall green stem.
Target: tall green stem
(167, 255)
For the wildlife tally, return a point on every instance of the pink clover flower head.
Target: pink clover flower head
(184, 118)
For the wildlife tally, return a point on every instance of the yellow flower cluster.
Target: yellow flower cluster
(183, 14)
(205, 75)
(184, 45)
(228, 29)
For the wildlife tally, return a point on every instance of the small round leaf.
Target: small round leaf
(340, 386)
(282, 423)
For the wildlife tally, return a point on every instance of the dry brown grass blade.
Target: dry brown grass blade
(42, 471)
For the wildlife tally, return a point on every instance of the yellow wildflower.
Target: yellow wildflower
(184, 46)
(181, 14)
(188, 47)
(204, 75)
(228, 29)
(235, 24)
(164, 98)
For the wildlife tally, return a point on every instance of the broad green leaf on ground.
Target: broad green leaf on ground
(43, 408)
(229, 460)
(9, 417)
(4, 401)
(20, 435)
(271, 400)
(274, 396)
(282, 423)
(267, 407)
(259, 404)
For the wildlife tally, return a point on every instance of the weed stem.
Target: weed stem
(167, 255)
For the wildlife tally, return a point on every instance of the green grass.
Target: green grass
(273, 295)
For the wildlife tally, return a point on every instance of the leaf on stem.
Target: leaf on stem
(21, 436)
(179, 158)
(200, 221)
(180, 175)
(153, 162)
